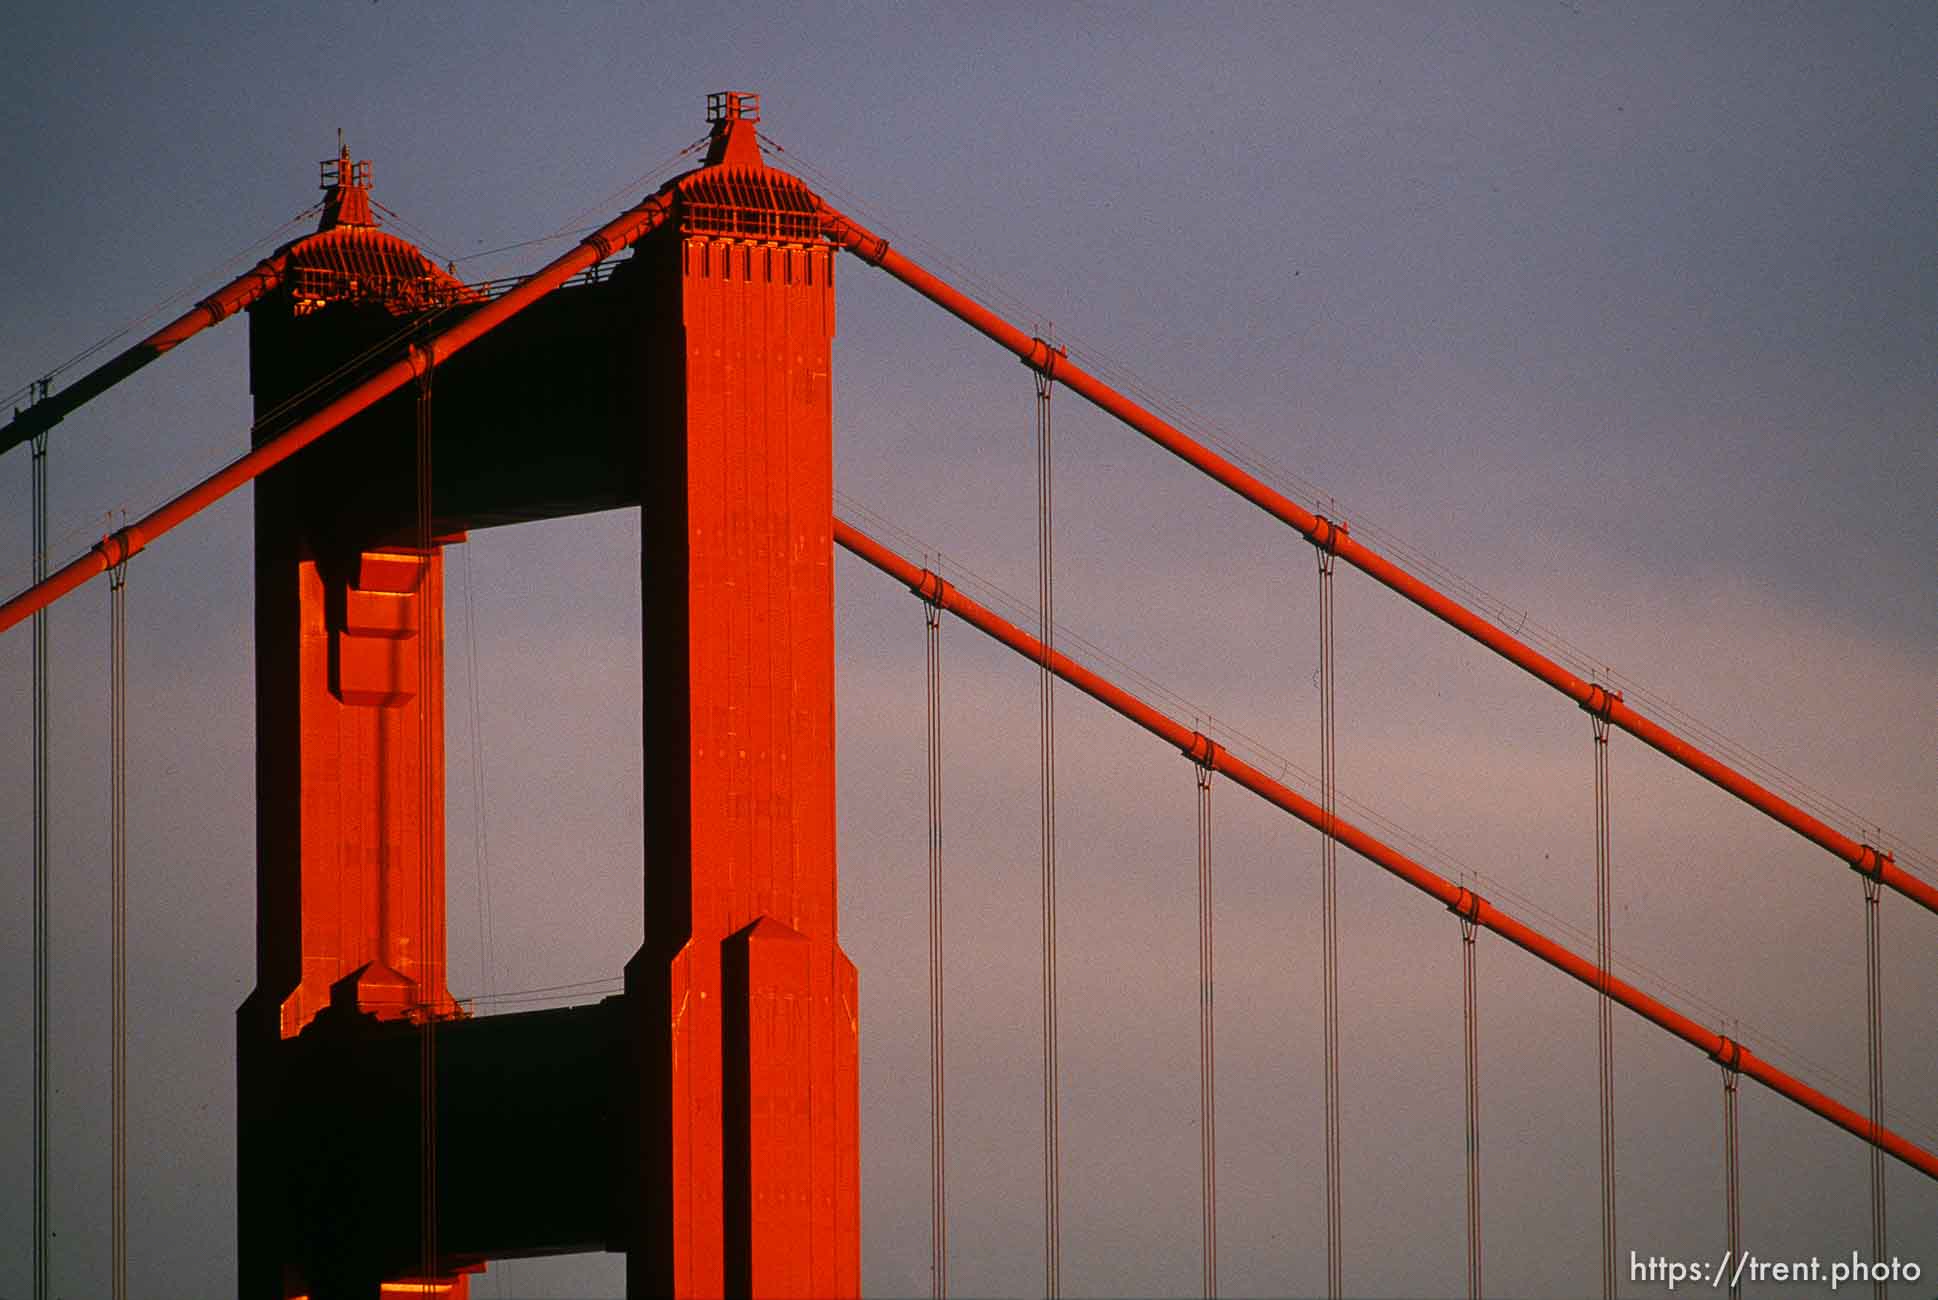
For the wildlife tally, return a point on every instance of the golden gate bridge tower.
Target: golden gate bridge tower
(705, 1121)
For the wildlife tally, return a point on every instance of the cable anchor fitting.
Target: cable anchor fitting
(1728, 1054)
(267, 273)
(870, 248)
(651, 212)
(1466, 905)
(35, 418)
(1326, 534)
(423, 361)
(933, 588)
(873, 251)
(1871, 862)
(116, 549)
(1042, 358)
(1204, 751)
(1600, 702)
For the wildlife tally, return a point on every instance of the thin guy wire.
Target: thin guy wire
(1207, 1042)
(1732, 1184)
(1052, 1139)
(586, 988)
(575, 224)
(1604, 1008)
(118, 905)
(42, 879)
(938, 1151)
(1329, 912)
(1874, 1045)
(423, 238)
(1470, 1017)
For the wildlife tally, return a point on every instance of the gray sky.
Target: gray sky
(1622, 313)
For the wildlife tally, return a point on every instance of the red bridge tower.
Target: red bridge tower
(705, 1122)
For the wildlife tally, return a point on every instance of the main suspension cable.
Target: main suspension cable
(42, 897)
(1329, 913)
(218, 306)
(621, 232)
(1052, 1141)
(118, 908)
(268, 424)
(1387, 857)
(876, 251)
(1207, 1037)
(938, 1151)
(1470, 1016)
(1604, 1008)
(1240, 741)
(1874, 1046)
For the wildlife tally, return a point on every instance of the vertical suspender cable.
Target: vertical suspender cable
(42, 908)
(118, 906)
(1052, 1141)
(1732, 1183)
(1470, 1015)
(480, 831)
(430, 948)
(1207, 1042)
(1390, 859)
(1329, 913)
(938, 1151)
(1874, 1044)
(1604, 1008)
(481, 840)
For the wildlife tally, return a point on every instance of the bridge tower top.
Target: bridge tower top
(346, 190)
(731, 114)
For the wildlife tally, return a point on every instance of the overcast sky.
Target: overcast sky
(1623, 314)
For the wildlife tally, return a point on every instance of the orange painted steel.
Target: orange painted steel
(350, 824)
(1040, 356)
(1462, 901)
(745, 1005)
(218, 306)
(117, 546)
